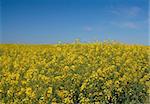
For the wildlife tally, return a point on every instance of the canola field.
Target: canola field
(81, 73)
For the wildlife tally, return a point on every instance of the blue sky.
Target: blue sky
(50, 21)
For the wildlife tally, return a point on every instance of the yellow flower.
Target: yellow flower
(90, 72)
(66, 68)
(28, 91)
(109, 83)
(49, 91)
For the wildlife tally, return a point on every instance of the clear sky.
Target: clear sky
(50, 21)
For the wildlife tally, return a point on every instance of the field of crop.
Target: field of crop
(99, 73)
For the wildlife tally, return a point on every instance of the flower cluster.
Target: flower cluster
(100, 73)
